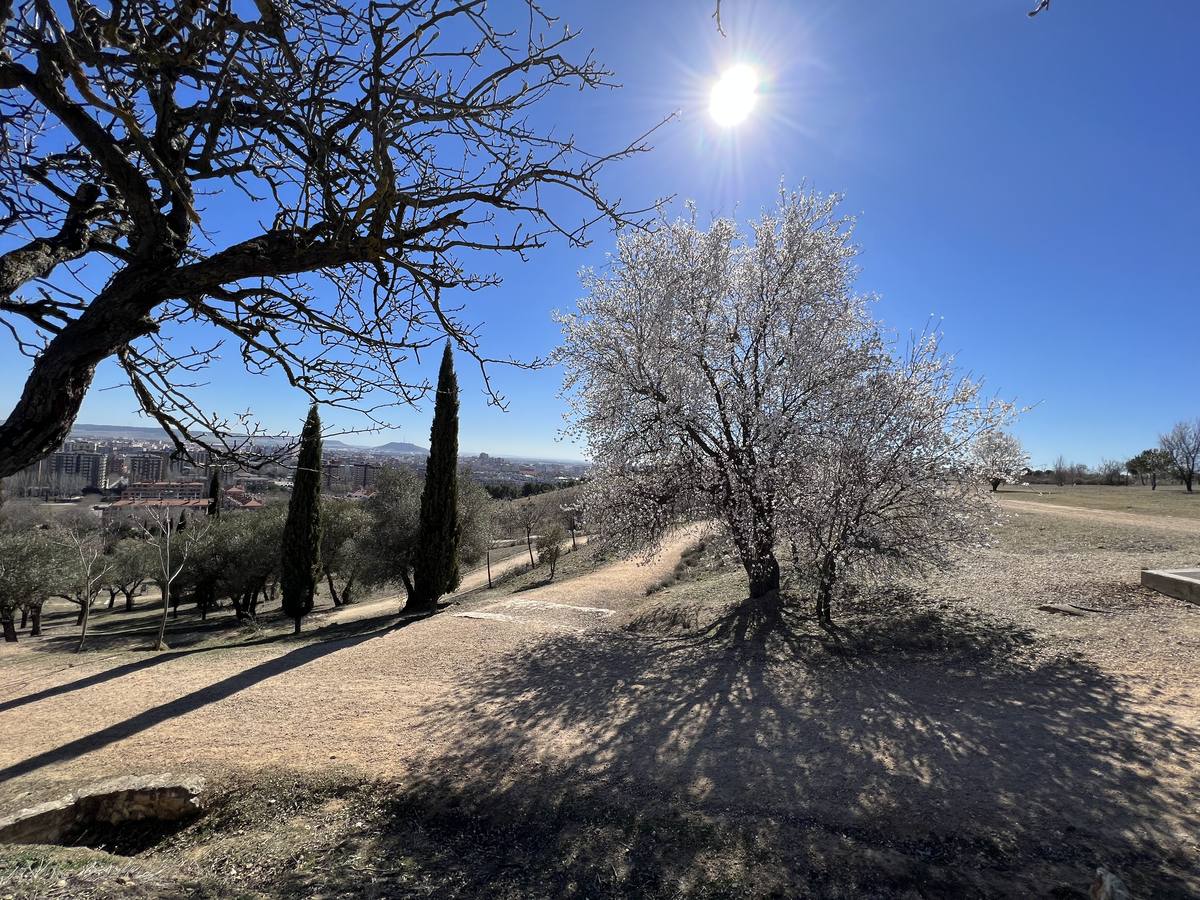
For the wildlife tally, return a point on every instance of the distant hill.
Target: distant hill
(150, 432)
(399, 448)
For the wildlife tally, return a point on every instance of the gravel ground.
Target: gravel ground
(958, 740)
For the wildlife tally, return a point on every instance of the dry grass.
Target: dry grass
(1168, 500)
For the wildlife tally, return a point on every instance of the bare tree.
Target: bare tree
(1111, 470)
(527, 514)
(709, 376)
(85, 567)
(172, 546)
(376, 145)
(1182, 445)
(1062, 470)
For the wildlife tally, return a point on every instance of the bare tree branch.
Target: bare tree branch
(378, 148)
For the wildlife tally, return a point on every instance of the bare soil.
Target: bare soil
(577, 738)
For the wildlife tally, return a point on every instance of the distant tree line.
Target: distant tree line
(508, 491)
(1175, 459)
(413, 532)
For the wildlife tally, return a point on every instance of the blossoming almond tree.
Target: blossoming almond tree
(745, 381)
(1000, 457)
(891, 484)
(696, 363)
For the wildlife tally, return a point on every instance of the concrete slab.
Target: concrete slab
(1181, 583)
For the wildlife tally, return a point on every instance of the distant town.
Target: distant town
(126, 468)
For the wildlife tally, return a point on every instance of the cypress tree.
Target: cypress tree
(435, 567)
(214, 494)
(301, 556)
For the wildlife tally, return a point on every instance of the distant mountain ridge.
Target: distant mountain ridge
(392, 448)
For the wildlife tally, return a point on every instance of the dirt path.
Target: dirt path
(254, 706)
(1104, 516)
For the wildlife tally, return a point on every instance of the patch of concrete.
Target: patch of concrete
(1183, 584)
(165, 798)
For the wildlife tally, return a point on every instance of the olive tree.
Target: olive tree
(364, 155)
(713, 377)
(26, 566)
(342, 521)
(82, 565)
(387, 550)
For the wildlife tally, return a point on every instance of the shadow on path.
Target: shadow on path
(213, 693)
(928, 741)
(324, 634)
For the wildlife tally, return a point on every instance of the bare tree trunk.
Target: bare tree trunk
(24, 616)
(826, 582)
(489, 566)
(10, 629)
(161, 643)
(87, 610)
(35, 622)
(529, 544)
(333, 594)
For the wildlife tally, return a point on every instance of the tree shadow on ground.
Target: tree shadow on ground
(338, 631)
(292, 659)
(936, 751)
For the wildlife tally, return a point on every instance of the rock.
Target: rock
(1108, 886)
(138, 798)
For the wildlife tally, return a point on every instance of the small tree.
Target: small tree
(435, 569)
(526, 515)
(26, 564)
(1062, 471)
(387, 549)
(1157, 461)
(1182, 445)
(301, 558)
(129, 570)
(170, 549)
(342, 521)
(1000, 458)
(84, 565)
(550, 548)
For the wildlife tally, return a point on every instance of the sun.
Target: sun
(734, 96)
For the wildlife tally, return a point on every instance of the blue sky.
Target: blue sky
(1030, 183)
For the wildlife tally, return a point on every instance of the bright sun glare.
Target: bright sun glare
(734, 96)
